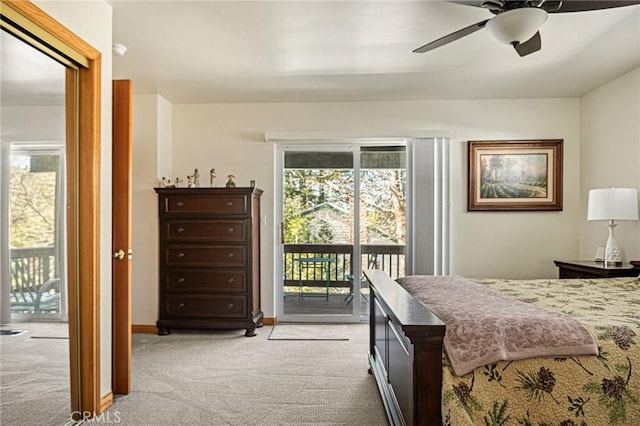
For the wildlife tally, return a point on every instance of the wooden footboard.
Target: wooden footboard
(405, 353)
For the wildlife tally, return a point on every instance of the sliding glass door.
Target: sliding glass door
(36, 237)
(383, 212)
(342, 210)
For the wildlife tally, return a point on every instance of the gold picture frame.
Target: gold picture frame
(517, 175)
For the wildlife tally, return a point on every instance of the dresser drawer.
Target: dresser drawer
(206, 230)
(225, 204)
(206, 255)
(206, 280)
(206, 306)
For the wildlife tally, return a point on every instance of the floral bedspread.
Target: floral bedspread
(585, 390)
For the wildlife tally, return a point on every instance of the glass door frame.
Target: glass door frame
(60, 237)
(356, 259)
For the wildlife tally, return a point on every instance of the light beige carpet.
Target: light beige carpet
(34, 375)
(221, 378)
(309, 332)
(203, 378)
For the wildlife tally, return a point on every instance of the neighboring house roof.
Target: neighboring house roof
(323, 206)
(339, 221)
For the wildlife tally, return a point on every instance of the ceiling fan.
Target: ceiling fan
(518, 22)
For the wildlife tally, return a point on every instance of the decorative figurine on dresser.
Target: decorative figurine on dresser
(209, 258)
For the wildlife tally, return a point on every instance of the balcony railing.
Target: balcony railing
(34, 283)
(390, 258)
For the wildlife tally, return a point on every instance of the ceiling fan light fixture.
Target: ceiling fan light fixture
(517, 25)
(119, 49)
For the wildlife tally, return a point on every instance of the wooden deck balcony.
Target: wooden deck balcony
(332, 293)
(390, 258)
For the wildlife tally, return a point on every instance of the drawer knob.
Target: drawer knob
(180, 280)
(231, 280)
(180, 254)
(180, 230)
(230, 230)
(180, 305)
(179, 204)
(230, 305)
(229, 255)
(229, 204)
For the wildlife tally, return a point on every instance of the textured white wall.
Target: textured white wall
(151, 159)
(610, 154)
(230, 138)
(32, 123)
(165, 131)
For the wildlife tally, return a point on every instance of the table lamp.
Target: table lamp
(612, 204)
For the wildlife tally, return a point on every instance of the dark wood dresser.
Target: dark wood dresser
(209, 258)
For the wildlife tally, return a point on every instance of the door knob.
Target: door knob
(118, 254)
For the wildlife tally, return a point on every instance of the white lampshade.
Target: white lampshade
(613, 204)
(517, 25)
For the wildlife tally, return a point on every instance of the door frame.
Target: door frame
(319, 146)
(83, 101)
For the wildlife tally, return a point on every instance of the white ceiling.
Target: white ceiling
(272, 51)
(279, 51)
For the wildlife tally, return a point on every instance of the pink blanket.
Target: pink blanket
(484, 326)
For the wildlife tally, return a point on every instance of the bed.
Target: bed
(419, 387)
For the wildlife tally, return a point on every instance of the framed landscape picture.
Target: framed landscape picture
(515, 175)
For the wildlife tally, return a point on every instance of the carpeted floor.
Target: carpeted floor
(34, 375)
(224, 378)
(203, 378)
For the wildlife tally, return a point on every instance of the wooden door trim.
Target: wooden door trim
(121, 217)
(83, 189)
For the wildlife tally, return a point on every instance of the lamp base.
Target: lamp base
(613, 255)
(612, 251)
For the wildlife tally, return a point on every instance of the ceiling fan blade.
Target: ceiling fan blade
(551, 6)
(452, 37)
(528, 47)
(475, 3)
(585, 5)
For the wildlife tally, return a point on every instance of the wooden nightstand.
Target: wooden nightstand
(591, 269)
